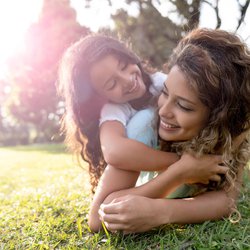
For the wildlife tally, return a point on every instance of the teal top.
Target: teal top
(183, 191)
(142, 128)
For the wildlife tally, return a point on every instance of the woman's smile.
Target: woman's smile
(182, 115)
(168, 126)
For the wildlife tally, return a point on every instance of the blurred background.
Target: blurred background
(35, 33)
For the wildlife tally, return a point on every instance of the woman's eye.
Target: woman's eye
(184, 107)
(164, 91)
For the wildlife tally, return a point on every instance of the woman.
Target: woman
(204, 108)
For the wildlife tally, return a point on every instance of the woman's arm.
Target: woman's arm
(130, 154)
(134, 213)
(113, 179)
(116, 182)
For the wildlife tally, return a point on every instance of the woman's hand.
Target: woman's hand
(133, 214)
(193, 169)
(130, 214)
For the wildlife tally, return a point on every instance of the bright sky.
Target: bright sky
(96, 17)
(16, 16)
(229, 14)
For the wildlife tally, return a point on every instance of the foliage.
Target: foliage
(44, 205)
(33, 74)
(154, 34)
(30, 111)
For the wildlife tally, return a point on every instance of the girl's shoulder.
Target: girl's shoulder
(158, 79)
(117, 112)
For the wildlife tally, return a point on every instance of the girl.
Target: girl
(104, 85)
(210, 76)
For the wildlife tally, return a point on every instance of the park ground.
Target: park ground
(44, 200)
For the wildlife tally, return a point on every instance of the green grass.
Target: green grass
(44, 199)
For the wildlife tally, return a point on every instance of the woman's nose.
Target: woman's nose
(165, 109)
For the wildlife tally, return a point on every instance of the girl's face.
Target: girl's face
(116, 81)
(182, 114)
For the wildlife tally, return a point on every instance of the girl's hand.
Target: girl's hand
(202, 169)
(130, 214)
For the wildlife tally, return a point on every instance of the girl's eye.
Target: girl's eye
(123, 65)
(111, 85)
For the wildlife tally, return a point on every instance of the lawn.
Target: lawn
(44, 199)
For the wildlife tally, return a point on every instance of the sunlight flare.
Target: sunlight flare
(15, 18)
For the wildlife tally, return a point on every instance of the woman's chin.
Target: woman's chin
(166, 136)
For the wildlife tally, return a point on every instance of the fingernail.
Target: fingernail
(100, 212)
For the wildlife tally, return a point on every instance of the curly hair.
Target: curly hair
(217, 66)
(81, 120)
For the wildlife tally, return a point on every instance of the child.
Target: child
(102, 80)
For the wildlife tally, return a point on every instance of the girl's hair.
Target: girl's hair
(217, 66)
(83, 105)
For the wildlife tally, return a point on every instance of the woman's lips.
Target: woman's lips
(168, 126)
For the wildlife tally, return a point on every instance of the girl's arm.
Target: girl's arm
(125, 153)
(189, 169)
(134, 213)
(122, 152)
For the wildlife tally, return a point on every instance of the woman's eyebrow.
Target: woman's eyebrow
(186, 100)
(180, 97)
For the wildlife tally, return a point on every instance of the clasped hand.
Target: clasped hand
(133, 213)
(193, 169)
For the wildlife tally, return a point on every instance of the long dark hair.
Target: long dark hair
(217, 66)
(83, 105)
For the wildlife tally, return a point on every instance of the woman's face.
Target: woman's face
(116, 81)
(182, 114)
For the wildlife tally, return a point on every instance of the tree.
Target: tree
(148, 33)
(33, 74)
(153, 34)
(33, 102)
